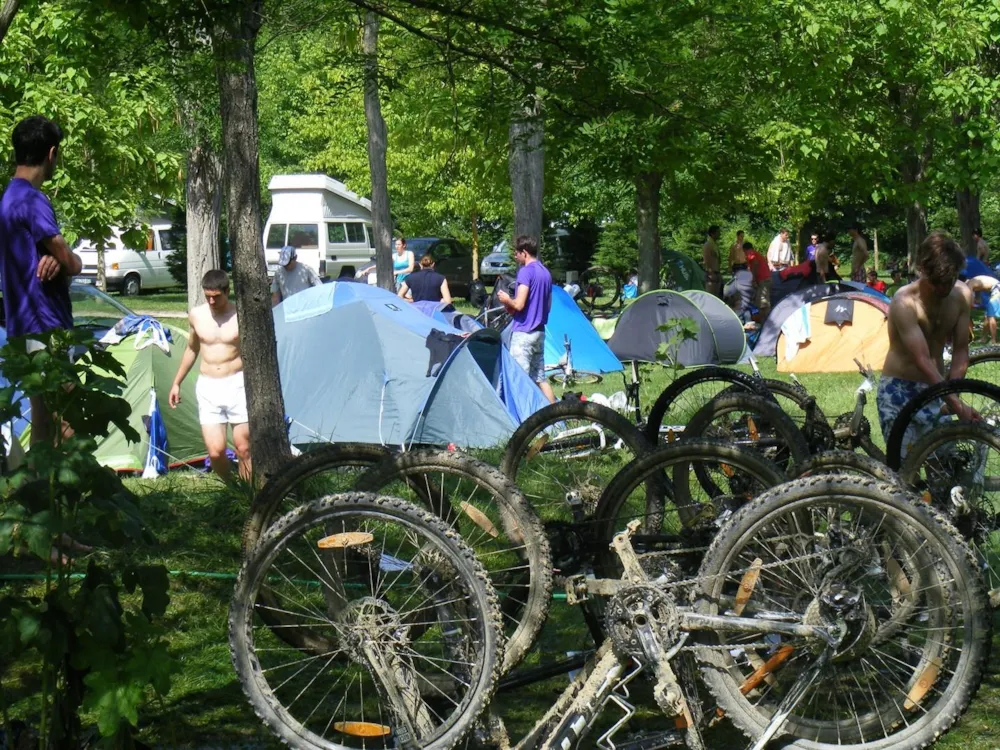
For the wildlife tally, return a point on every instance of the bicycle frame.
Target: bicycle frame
(606, 676)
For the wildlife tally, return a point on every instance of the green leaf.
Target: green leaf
(155, 585)
(812, 29)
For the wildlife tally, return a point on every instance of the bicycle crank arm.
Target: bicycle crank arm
(795, 694)
(696, 621)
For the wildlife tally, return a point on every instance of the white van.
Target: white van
(129, 271)
(330, 227)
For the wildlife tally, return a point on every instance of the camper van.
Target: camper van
(129, 271)
(328, 225)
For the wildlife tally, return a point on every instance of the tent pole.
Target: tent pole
(633, 392)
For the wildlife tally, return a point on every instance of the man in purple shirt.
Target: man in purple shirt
(530, 308)
(36, 264)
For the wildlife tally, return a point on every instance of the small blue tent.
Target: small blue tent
(975, 267)
(359, 364)
(590, 353)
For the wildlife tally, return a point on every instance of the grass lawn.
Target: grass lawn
(198, 525)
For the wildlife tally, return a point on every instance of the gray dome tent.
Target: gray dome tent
(637, 336)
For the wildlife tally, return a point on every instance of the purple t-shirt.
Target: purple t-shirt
(535, 314)
(30, 305)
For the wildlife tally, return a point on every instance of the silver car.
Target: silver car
(498, 262)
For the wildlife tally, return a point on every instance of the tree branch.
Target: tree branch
(7, 13)
(468, 52)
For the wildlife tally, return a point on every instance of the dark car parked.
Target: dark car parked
(453, 260)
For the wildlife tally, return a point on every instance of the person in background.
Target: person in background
(711, 261)
(982, 249)
(36, 263)
(991, 287)
(737, 258)
(779, 252)
(291, 277)
(530, 307)
(761, 277)
(811, 247)
(402, 261)
(876, 283)
(222, 400)
(859, 254)
(923, 317)
(897, 281)
(425, 284)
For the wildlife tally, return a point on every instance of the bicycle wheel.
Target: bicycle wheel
(847, 462)
(751, 421)
(680, 400)
(315, 473)
(862, 552)
(357, 573)
(801, 406)
(679, 517)
(927, 410)
(562, 457)
(984, 364)
(493, 517)
(577, 378)
(600, 288)
(957, 468)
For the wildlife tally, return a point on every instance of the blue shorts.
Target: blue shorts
(993, 303)
(893, 394)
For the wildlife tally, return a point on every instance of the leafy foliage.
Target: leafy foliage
(97, 635)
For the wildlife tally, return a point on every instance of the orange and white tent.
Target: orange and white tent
(829, 334)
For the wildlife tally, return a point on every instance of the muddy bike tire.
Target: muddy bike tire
(526, 438)
(913, 475)
(894, 442)
(674, 392)
(433, 535)
(516, 518)
(955, 591)
(660, 473)
(790, 448)
(839, 461)
(279, 489)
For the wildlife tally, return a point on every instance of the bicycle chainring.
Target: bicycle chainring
(643, 623)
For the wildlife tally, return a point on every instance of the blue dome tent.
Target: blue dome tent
(359, 364)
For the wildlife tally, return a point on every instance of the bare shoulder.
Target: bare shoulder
(904, 301)
(962, 296)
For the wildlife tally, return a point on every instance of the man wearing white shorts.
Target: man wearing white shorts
(222, 401)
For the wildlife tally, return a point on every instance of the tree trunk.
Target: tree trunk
(916, 231)
(7, 13)
(475, 245)
(204, 210)
(967, 204)
(233, 44)
(102, 271)
(647, 215)
(526, 166)
(381, 215)
(875, 248)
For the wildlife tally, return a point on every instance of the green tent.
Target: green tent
(151, 370)
(681, 272)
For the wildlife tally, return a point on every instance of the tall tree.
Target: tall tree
(526, 160)
(381, 215)
(234, 36)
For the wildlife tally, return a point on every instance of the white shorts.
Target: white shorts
(222, 400)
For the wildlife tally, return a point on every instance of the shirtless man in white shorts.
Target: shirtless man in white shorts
(215, 334)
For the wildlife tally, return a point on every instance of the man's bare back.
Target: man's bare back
(218, 341)
(919, 327)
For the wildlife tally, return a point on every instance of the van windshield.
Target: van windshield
(276, 236)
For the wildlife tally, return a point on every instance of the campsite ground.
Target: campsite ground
(198, 523)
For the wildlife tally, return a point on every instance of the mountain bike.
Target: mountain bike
(828, 611)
